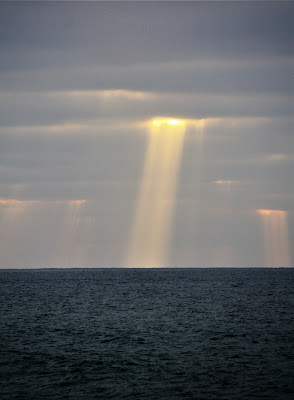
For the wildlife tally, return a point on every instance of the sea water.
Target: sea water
(147, 334)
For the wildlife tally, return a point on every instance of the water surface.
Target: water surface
(147, 334)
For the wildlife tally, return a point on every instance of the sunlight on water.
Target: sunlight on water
(276, 241)
(149, 240)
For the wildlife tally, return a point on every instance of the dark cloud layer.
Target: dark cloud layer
(263, 76)
(127, 33)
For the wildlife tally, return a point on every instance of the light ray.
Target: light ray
(67, 247)
(225, 184)
(276, 240)
(14, 215)
(149, 240)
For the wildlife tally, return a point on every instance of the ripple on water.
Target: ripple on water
(147, 334)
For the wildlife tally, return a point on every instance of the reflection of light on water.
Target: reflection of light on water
(276, 241)
(151, 230)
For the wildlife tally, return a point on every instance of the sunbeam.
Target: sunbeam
(150, 235)
(276, 241)
(68, 249)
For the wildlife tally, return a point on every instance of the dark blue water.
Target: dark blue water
(147, 334)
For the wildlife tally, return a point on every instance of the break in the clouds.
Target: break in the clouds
(79, 85)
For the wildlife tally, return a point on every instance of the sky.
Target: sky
(81, 83)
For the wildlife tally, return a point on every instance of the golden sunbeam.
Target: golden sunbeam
(150, 235)
(276, 240)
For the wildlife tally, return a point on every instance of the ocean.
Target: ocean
(147, 334)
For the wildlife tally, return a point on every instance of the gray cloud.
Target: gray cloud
(77, 84)
(51, 109)
(132, 33)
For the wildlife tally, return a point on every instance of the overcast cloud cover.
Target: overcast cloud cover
(78, 82)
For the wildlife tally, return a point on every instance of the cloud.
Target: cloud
(63, 164)
(263, 75)
(67, 109)
(137, 33)
(79, 84)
